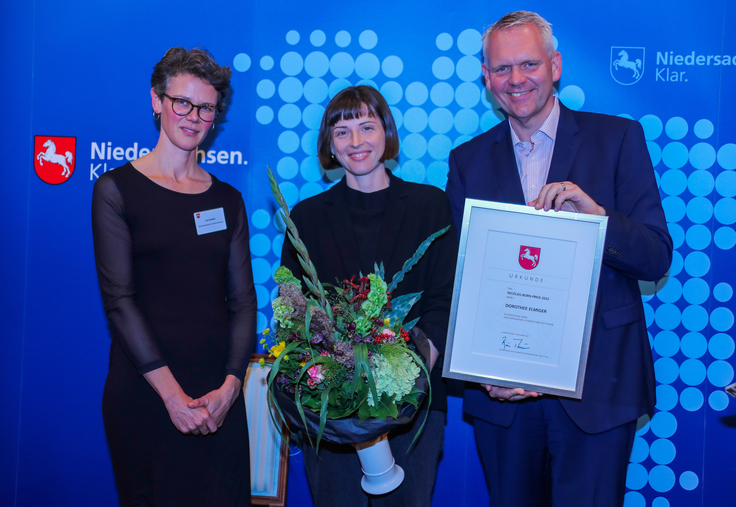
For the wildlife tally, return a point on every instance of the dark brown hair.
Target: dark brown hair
(197, 62)
(347, 105)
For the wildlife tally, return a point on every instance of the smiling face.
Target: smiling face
(184, 132)
(359, 144)
(520, 73)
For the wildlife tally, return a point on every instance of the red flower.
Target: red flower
(315, 375)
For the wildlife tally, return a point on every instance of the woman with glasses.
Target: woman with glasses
(373, 216)
(173, 263)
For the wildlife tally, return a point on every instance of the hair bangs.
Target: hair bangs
(350, 108)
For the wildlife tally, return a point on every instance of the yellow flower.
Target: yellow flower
(262, 362)
(387, 321)
(266, 331)
(277, 349)
(263, 340)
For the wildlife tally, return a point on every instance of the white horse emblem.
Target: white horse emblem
(526, 254)
(627, 64)
(50, 155)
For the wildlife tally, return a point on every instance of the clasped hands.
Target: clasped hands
(552, 196)
(206, 414)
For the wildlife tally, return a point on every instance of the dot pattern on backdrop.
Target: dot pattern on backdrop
(698, 183)
(696, 178)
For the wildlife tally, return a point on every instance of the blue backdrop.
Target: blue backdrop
(81, 70)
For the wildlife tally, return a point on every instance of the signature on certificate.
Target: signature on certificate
(514, 343)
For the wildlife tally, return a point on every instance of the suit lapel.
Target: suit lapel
(567, 144)
(342, 229)
(504, 178)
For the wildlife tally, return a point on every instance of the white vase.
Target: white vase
(381, 474)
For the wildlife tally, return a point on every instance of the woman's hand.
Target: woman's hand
(434, 354)
(197, 421)
(219, 401)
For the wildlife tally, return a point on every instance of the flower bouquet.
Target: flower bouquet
(345, 368)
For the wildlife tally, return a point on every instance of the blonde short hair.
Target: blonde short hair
(521, 18)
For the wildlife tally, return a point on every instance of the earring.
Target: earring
(156, 115)
(213, 126)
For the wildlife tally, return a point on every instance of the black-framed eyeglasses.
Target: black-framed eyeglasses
(182, 107)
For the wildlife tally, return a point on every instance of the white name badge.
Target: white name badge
(212, 220)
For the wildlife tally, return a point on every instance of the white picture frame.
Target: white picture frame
(525, 290)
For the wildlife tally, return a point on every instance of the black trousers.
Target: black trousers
(334, 475)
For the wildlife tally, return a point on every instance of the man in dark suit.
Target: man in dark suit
(545, 450)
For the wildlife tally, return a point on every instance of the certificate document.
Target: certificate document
(524, 297)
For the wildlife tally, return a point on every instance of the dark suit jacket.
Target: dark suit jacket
(413, 212)
(607, 157)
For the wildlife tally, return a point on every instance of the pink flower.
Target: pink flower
(315, 375)
(387, 333)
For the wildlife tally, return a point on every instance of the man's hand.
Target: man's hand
(554, 195)
(508, 394)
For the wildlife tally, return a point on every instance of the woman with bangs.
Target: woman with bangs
(372, 216)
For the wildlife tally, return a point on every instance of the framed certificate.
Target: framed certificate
(524, 297)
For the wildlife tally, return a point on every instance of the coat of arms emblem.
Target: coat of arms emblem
(529, 256)
(58, 153)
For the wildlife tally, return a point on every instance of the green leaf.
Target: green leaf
(364, 412)
(413, 397)
(308, 321)
(378, 269)
(272, 403)
(415, 258)
(315, 287)
(277, 362)
(419, 361)
(410, 324)
(386, 407)
(312, 403)
(401, 306)
(322, 417)
(362, 365)
(300, 409)
(314, 290)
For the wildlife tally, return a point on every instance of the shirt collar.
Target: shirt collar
(548, 128)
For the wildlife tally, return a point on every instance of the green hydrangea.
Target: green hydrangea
(394, 373)
(284, 275)
(363, 325)
(376, 298)
(281, 312)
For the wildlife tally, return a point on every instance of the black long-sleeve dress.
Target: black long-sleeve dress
(178, 299)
